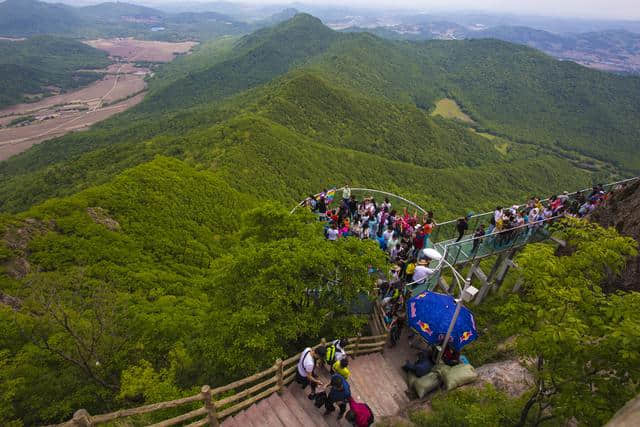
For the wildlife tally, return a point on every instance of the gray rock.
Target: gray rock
(509, 376)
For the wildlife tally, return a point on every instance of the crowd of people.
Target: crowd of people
(337, 391)
(404, 235)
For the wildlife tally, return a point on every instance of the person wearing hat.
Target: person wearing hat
(422, 270)
(339, 393)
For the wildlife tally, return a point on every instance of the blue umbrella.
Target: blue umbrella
(430, 314)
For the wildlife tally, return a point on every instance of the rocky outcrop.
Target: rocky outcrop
(622, 211)
(100, 216)
(509, 376)
(17, 238)
(10, 301)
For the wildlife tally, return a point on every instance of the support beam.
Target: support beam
(504, 268)
(443, 284)
(486, 280)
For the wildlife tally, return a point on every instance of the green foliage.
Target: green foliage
(472, 406)
(29, 66)
(587, 342)
(167, 259)
(162, 280)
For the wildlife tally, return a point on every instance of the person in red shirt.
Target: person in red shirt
(418, 241)
(359, 415)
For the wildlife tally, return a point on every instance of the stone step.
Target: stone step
(378, 386)
(360, 391)
(284, 410)
(229, 422)
(315, 414)
(269, 416)
(394, 377)
(253, 416)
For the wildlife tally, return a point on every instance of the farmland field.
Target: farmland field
(121, 87)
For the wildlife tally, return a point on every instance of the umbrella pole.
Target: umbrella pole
(467, 282)
(450, 330)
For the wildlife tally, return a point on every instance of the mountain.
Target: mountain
(112, 19)
(157, 251)
(34, 65)
(116, 11)
(610, 50)
(19, 18)
(261, 83)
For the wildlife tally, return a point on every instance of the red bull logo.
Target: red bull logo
(466, 336)
(425, 327)
(413, 310)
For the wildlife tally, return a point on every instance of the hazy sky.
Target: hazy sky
(619, 9)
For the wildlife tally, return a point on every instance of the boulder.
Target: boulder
(509, 376)
(628, 415)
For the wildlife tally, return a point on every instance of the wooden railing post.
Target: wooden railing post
(82, 418)
(209, 405)
(355, 352)
(280, 373)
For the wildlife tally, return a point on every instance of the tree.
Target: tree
(282, 288)
(585, 343)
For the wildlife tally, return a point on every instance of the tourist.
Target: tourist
(462, 226)
(346, 192)
(422, 271)
(305, 375)
(333, 232)
(341, 367)
(359, 415)
(422, 366)
(477, 238)
(339, 393)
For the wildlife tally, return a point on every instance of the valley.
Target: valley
(121, 87)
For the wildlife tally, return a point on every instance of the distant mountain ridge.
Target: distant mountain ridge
(610, 50)
(25, 18)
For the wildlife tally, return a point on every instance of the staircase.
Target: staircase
(374, 381)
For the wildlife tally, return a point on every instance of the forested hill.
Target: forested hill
(32, 66)
(156, 249)
(24, 18)
(509, 89)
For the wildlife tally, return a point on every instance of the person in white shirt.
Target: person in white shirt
(346, 192)
(388, 234)
(333, 232)
(304, 374)
(422, 272)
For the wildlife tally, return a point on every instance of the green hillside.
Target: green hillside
(29, 66)
(162, 236)
(20, 18)
(25, 18)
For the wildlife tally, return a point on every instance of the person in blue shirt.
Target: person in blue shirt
(339, 393)
(382, 242)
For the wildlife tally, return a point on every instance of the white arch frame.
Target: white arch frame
(370, 190)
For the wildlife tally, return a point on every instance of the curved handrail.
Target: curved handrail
(548, 198)
(441, 263)
(370, 190)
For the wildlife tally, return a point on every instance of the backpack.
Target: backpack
(411, 267)
(320, 399)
